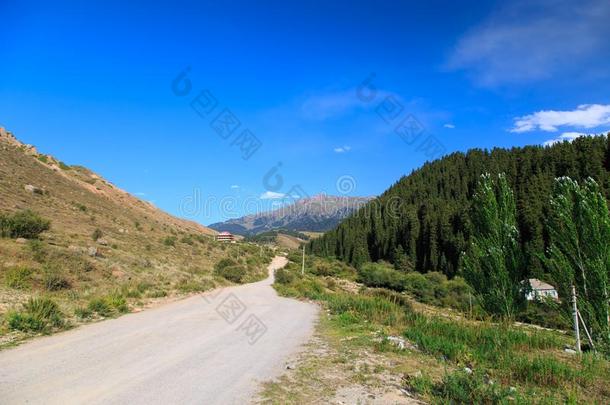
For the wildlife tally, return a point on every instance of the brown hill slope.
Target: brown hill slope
(70, 189)
(143, 253)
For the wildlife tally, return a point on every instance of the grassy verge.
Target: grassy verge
(458, 360)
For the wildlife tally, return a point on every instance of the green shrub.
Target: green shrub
(97, 234)
(23, 224)
(109, 305)
(541, 370)
(100, 306)
(325, 269)
(19, 277)
(462, 341)
(434, 288)
(37, 248)
(370, 308)
(199, 238)
(53, 280)
(420, 287)
(169, 241)
(24, 322)
(193, 286)
(222, 263)
(117, 302)
(464, 388)
(546, 313)
(380, 275)
(157, 294)
(232, 273)
(284, 276)
(83, 312)
(393, 297)
(459, 295)
(421, 384)
(37, 315)
(187, 240)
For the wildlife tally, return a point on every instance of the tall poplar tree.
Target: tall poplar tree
(579, 255)
(493, 263)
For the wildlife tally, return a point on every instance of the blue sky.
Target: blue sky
(96, 84)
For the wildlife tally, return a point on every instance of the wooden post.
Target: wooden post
(584, 326)
(575, 314)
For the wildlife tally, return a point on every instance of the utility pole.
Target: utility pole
(575, 314)
(303, 267)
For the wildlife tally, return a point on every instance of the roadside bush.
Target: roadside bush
(382, 276)
(19, 278)
(100, 306)
(222, 263)
(23, 224)
(325, 269)
(109, 305)
(369, 308)
(284, 276)
(157, 294)
(37, 315)
(232, 273)
(83, 313)
(117, 302)
(186, 286)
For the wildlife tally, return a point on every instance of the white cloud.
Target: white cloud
(327, 105)
(566, 136)
(524, 41)
(235, 187)
(450, 126)
(271, 195)
(584, 116)
(342, 149)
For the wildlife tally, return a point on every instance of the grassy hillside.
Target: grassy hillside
(106, 251)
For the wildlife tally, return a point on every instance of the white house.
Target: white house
(540, 289)
(225, 237)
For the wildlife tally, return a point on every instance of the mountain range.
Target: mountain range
(315, 214)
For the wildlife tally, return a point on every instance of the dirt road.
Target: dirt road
(209, 349)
